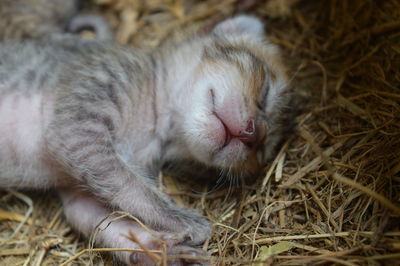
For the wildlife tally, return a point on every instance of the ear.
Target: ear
(239, 26)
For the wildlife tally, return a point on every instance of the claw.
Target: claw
(134, 258)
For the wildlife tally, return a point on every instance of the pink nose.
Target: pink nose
(249, 135)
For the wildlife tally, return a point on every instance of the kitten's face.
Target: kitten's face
(236, 87)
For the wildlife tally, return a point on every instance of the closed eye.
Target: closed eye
(261, 102)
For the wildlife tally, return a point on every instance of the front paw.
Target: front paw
(192, 228)
(179, 255)
(184, 256)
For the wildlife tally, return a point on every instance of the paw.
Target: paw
(175, 256)
(157, 247)
(184, 256)
(193, 229)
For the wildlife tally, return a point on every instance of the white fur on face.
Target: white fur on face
(217, 94)
(224, 90)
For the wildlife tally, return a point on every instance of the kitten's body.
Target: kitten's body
(37, 79)
(101, 117)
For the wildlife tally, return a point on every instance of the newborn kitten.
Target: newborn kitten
(98, 121)
(33, 19)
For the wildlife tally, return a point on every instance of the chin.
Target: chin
(231, 155)
(227, 156)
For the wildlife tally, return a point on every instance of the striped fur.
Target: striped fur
(106, 119)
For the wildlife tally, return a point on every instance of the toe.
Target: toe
(191, 256)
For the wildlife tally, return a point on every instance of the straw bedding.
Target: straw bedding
(332, 194)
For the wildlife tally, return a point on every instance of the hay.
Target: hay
(332, 193)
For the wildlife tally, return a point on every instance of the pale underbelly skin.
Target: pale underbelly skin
(23, 120)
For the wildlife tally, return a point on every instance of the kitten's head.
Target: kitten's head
(237, 96)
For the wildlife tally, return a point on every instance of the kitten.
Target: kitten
(98, 121)
(33, 19)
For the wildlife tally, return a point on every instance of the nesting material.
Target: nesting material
(332, 194)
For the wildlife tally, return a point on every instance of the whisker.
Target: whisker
(229, 177)
(219, 183)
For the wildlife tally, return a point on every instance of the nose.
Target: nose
(249, 135)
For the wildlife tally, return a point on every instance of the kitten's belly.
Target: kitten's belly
(23, 119)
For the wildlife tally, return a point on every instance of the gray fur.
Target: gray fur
(111, 118)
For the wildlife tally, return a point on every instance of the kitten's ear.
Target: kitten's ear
(240, 25)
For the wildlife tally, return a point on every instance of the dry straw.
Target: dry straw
(331, 196)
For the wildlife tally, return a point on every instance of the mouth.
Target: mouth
(233, 130)
(225, 137)
(228, 135)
